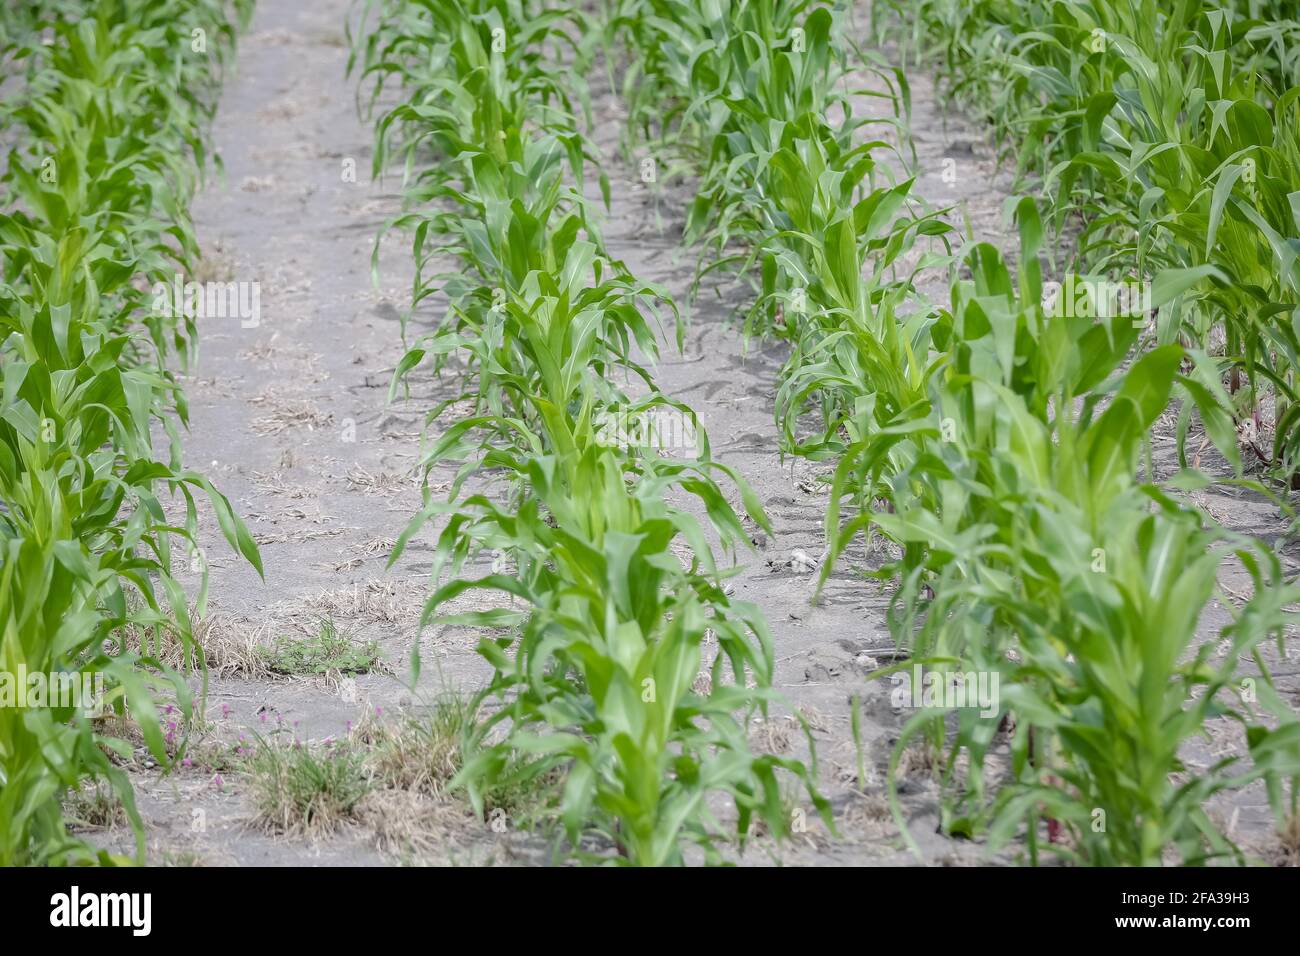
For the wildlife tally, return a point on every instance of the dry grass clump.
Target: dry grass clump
(390, 777)
(306, 789)
(94, 807)
(773, 736)
(420, 754)
(868, 814)
(408, 824)
(922, 759)
(373, 602)
(231, 646)
(285, 414)
(384, 484)
(1289, 841)
(234, 646)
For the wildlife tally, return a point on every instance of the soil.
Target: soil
(291, 419)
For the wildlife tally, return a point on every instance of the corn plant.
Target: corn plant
(756, 83)
(855, 354)
(597, 676)
(814, 209)
(608, 647)
(96, 194)
(1031, 551)
(950, 427)
(1171, 132)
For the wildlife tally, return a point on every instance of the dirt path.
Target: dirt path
(290, 419)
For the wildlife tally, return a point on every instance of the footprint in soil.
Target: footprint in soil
(826, 668)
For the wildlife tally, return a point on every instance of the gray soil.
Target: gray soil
(291, 420)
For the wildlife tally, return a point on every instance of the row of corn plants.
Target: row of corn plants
(795, 196)
(105, 113)
(1033, 551)
(995, 441)
(621, 664)
(1169, 134)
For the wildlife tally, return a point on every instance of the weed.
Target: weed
(326, 652)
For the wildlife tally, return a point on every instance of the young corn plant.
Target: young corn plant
(95, 196)
(780, 177)
(596, 677)
(854, 356)
(1170, 132)
(999, 497)
(759, 85)
(598, 672)
(1031, 551)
